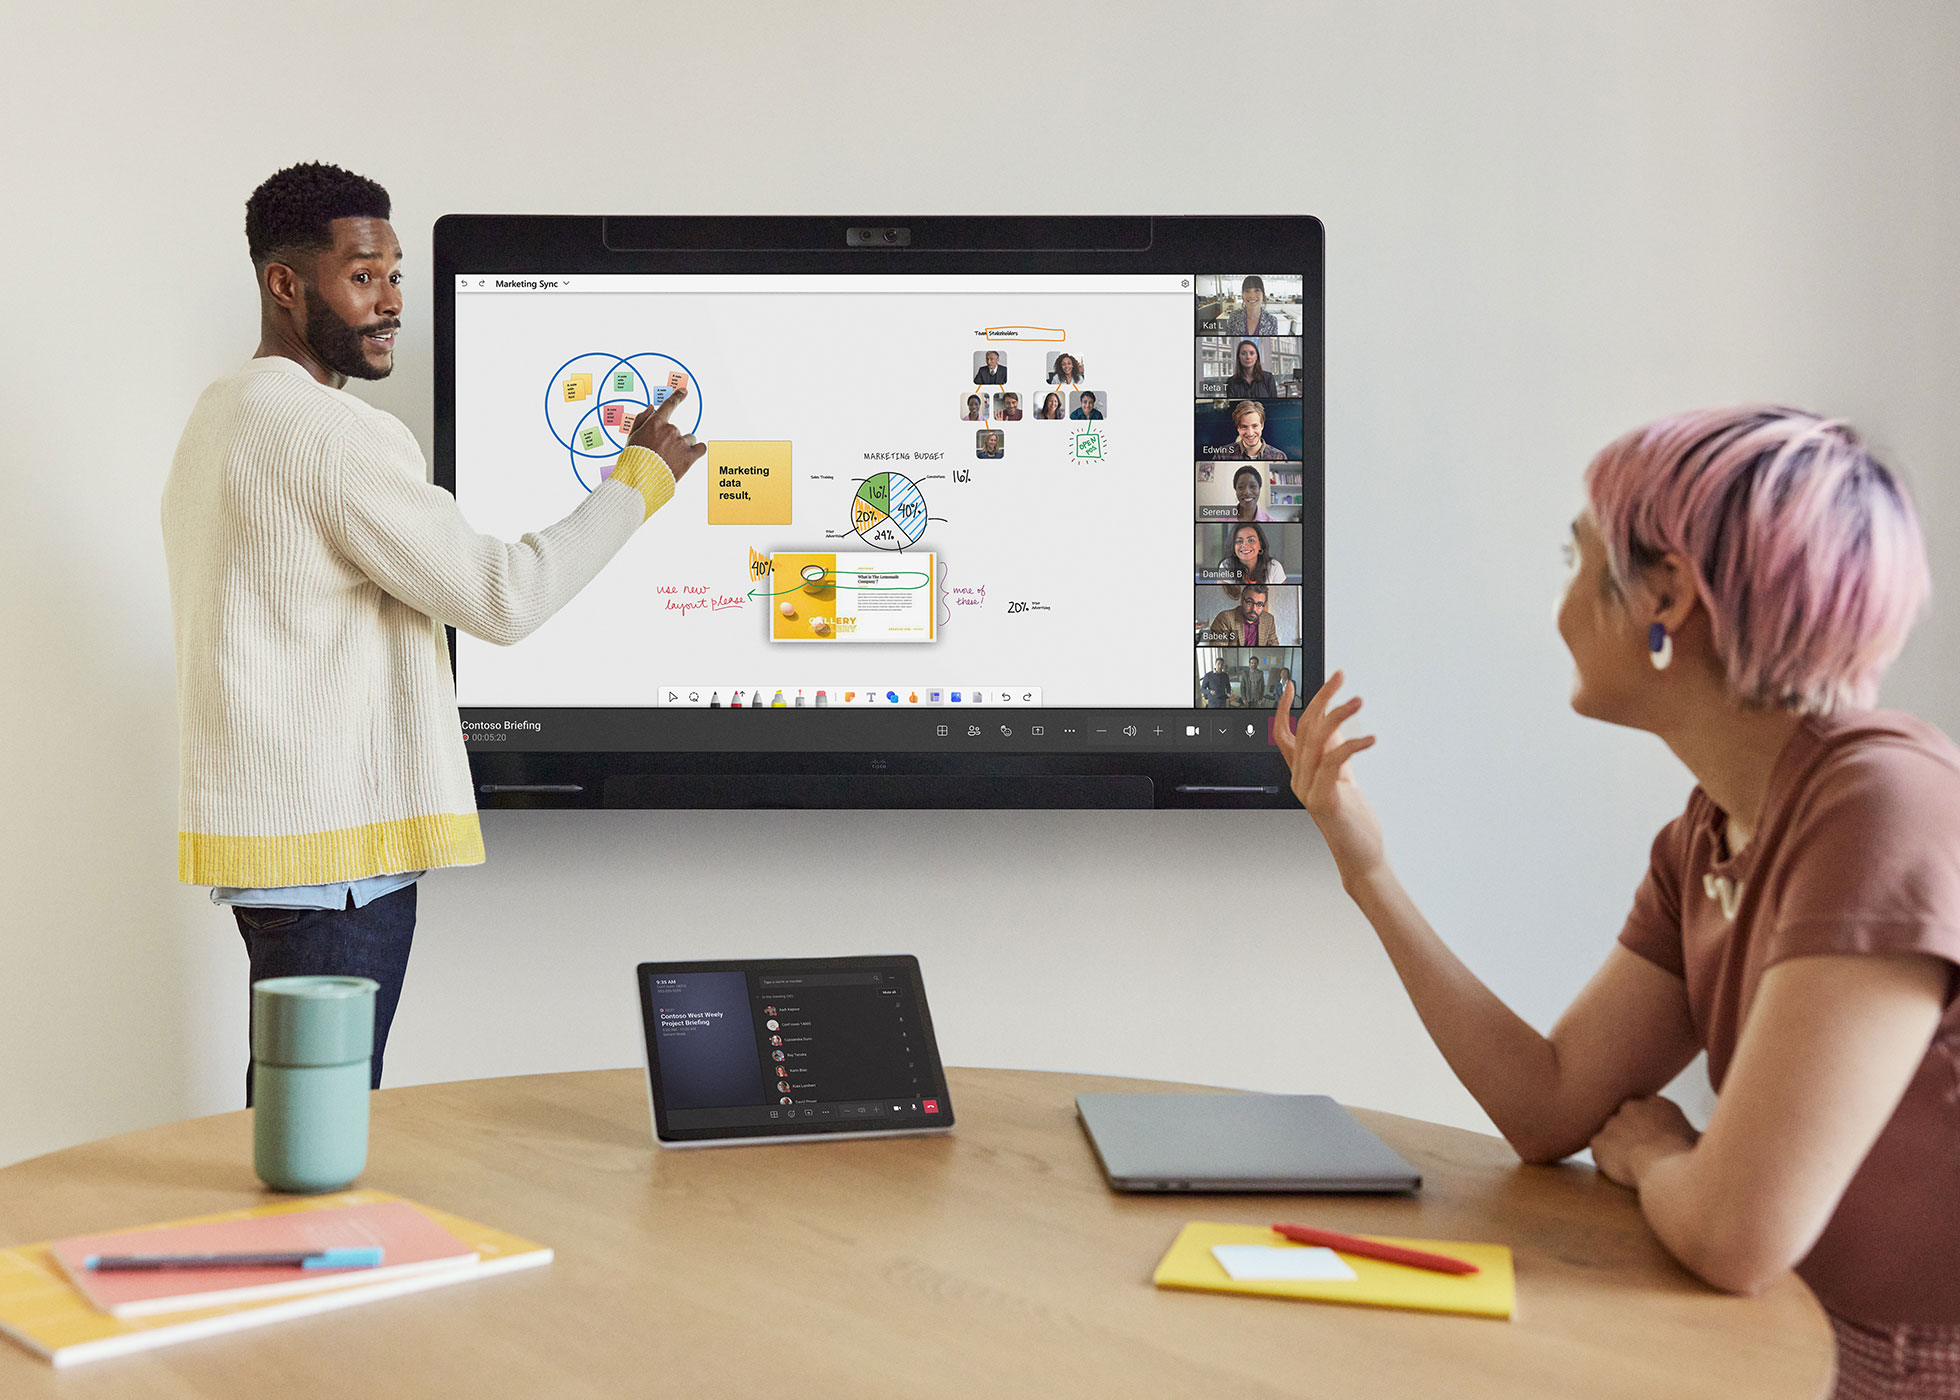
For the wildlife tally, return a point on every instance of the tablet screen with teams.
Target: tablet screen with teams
(749, 1050)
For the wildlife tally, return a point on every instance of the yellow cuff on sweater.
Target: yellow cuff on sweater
(647, 472)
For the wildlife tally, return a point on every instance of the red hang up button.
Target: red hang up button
(932, 1105)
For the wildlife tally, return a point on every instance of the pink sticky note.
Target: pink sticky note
(676, 380)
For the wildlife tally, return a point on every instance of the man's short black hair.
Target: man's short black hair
(295, 209)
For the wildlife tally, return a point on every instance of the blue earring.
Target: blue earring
(1660, 646)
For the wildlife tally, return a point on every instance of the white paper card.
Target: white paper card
(1282, 1261)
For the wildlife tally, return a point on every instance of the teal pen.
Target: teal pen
(365, 1257)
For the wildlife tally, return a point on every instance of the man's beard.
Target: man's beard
(338, 344)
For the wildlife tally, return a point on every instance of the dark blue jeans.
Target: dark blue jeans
(367, 942)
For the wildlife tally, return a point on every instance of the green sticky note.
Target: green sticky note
(623, 382)
(590, 438)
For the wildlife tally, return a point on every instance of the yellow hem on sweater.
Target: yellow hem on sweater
(324, 857)
(647, 472)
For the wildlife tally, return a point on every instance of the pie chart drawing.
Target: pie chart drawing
(889, 512)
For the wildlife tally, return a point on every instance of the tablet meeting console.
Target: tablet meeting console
(995, 511)
(748, 1051)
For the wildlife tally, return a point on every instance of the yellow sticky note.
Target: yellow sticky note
(577, 386)
(748, 483)
(1490, 1292)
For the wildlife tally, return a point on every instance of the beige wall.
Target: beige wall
(1545, 222)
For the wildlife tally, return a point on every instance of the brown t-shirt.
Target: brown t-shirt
(1857, 851)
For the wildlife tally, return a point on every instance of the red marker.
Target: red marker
(1374, 1249)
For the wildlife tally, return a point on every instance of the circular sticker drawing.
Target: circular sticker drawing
(592, 399)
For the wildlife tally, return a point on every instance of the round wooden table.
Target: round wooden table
(990, 1262)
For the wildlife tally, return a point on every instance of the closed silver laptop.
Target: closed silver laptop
(1237, 1142)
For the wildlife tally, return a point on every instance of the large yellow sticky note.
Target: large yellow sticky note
(748, 483)
(1490, 1292)
(577, 386)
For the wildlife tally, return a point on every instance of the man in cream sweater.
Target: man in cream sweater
(312, 570)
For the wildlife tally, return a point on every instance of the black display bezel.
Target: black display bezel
(824, 775)
(901, 962)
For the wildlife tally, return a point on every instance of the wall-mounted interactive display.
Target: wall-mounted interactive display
(937, 474)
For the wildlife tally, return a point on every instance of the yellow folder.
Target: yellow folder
(1491, 1292)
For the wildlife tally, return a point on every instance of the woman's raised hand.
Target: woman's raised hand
(1318, 757)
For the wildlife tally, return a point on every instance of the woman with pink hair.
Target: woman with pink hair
(1741, 579)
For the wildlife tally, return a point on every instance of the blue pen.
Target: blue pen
(365, 1257)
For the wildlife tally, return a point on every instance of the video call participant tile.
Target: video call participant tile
(1244, 678)
(1064, 369)
(1050, 404)
(989, 367)
(1250, 614)
(1264, 492)
(976, 406)
(990, 444)
(1249, 430)
(1261, 367)
(1087, 404)
(1248, 551)
(1007, 407)
(1255, 303)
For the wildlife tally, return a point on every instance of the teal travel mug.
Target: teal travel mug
(312, 1039)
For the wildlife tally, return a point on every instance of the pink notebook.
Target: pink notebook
(411, 1243)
